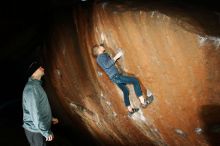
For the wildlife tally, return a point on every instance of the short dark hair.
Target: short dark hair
(32, 68)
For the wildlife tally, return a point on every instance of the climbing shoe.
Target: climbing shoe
(147, 101)
(134, 110)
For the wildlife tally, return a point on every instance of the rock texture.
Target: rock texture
(173, 51)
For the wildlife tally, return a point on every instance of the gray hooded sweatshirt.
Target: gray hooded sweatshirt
(37, 114)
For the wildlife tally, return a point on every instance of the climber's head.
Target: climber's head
(98, 49)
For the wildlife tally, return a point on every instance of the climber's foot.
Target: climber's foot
(134, 110)
(147, 101)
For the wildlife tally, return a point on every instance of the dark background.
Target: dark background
(24, 27)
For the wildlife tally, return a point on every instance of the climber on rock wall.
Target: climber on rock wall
(108, 65)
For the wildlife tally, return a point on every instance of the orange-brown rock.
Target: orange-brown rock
(173, 51)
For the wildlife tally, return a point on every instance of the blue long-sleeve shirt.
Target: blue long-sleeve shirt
(107, 64)
(37, 114)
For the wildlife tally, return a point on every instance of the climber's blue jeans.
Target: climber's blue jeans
(121, 82)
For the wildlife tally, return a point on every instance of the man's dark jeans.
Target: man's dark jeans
(35, 139)
(121, 82)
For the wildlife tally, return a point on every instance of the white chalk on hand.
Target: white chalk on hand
(120, 53)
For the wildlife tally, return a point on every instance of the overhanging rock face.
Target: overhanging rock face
(174, 52)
